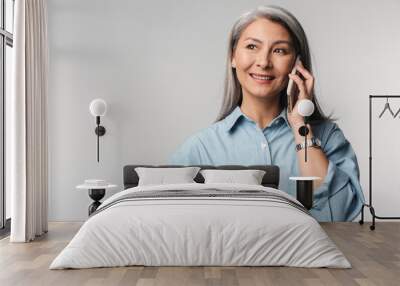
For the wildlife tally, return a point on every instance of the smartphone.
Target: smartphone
(292, 89)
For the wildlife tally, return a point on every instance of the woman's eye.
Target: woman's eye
(281, 51)
(251, 46)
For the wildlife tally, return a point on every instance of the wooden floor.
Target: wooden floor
(374, 255)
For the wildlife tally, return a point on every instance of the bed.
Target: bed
(201, 224)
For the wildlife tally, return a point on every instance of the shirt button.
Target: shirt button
(263, 145)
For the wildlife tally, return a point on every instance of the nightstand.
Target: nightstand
(96, 193)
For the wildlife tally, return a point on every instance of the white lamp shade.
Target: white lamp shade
(98, 107)
(305, 107)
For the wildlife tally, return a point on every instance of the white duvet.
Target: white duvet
(200, 231)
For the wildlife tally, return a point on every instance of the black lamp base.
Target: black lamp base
(96, 195)
(304, 193)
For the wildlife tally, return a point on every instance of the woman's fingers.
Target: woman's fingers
(301, 85)
(305, 73)
(309, 79)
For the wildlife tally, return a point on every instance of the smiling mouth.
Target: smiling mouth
(262, 78)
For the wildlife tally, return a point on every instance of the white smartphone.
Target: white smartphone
(291, 88)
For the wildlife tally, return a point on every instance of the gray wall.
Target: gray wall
(159, 65)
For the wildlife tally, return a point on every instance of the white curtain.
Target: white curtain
(27, 122)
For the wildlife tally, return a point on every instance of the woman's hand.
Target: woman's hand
(305, 88)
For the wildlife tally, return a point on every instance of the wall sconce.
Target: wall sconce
(98, 107)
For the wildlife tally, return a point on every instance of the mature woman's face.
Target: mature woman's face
(263, 49)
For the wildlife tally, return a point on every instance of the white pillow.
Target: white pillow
(162, 176)
(249, 177)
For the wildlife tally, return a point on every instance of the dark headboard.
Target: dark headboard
(270, 179)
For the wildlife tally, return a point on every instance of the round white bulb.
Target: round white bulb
(98, 107)
(305, 107)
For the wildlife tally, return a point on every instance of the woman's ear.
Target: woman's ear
(233, 63)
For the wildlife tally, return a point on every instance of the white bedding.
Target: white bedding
(200, 231)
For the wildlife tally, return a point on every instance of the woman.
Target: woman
(254, 126)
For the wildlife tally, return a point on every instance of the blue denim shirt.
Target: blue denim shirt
(237, 140)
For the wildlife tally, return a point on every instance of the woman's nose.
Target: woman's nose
(264, 62)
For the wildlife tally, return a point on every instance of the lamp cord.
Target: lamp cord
(98, 143)
(98, 130)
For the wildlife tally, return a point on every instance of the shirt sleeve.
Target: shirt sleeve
(340, 197)
(187, 154)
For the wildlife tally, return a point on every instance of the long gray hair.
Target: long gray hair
(232, 89)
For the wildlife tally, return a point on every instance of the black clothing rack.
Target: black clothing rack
(369, 205)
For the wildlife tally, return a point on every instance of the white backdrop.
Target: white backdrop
(160, 67)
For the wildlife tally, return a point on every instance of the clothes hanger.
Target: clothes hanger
(387, 107)
(398, 111)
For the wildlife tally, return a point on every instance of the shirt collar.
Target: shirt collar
(232, 118)
(282, 115)
(236, 114)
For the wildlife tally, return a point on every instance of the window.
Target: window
(6, 44)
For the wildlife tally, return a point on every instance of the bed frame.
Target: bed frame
(270, 179)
